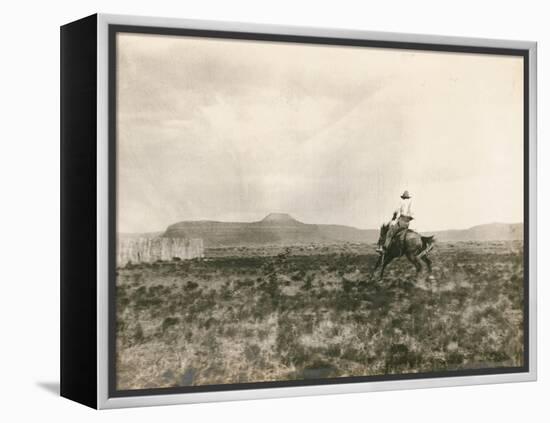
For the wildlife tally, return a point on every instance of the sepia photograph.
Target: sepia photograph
(301, 212)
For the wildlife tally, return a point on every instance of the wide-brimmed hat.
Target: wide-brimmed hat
(406, 194)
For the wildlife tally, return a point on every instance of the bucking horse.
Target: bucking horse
(406, 243)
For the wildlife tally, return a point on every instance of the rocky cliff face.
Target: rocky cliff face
(148, 250)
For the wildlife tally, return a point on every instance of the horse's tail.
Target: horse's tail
(427, 242)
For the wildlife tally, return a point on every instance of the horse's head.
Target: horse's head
(383, 231)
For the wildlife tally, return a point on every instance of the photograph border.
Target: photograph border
(108, 27)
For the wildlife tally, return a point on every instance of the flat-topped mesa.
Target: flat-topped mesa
(274, 229)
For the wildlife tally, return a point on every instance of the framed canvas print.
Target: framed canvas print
(254, 211)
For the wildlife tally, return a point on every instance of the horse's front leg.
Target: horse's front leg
(378, 262)
(386, 260)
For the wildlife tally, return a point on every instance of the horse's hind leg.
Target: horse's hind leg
(428, 262)
(416, 262)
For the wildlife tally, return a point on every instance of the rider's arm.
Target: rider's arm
(397, 212)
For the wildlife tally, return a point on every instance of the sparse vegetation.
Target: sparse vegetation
(249, 315)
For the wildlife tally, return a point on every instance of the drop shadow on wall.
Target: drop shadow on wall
(51, 387)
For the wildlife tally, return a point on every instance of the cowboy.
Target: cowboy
(402, 216)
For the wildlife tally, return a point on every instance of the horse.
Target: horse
(409, 244)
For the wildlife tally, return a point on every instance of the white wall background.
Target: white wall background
(29, 178)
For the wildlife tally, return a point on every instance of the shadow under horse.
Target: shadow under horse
(406, 243)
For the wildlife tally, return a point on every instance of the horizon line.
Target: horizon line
(333, 224)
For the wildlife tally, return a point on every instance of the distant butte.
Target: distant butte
(279, 218)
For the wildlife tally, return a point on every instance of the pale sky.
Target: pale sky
(233, 130)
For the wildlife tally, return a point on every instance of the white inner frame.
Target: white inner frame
(103, 401)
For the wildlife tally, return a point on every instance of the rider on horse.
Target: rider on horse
(402, 216)
(412, 245)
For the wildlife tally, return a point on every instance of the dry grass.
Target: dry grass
(246, 315)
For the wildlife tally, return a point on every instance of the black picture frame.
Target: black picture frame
(81, 52)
